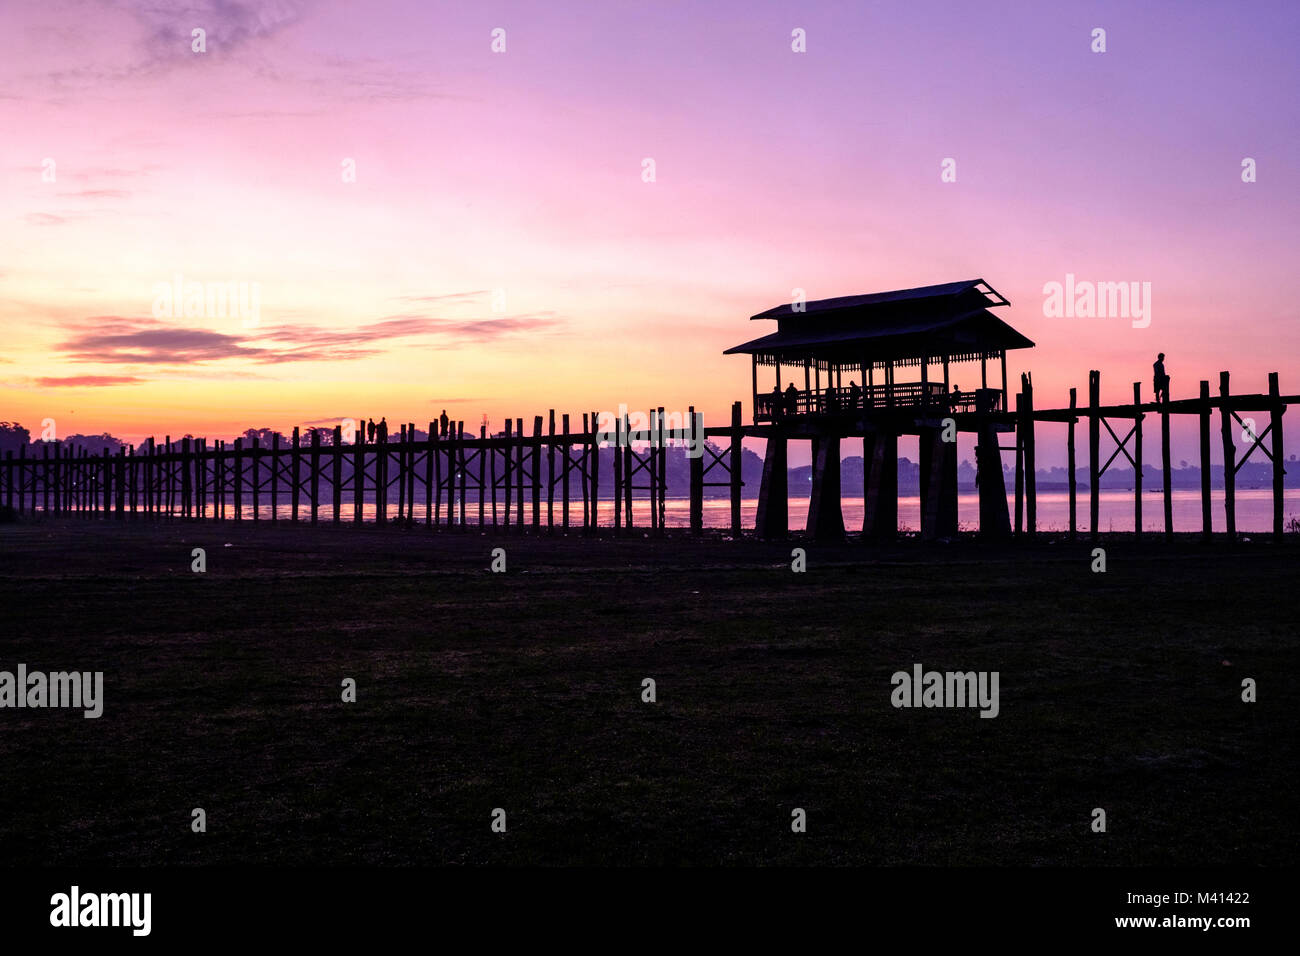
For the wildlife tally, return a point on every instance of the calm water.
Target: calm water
(1254, 511)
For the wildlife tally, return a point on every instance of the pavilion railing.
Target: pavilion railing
(773, 406)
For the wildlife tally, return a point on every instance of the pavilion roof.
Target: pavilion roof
(950, 319)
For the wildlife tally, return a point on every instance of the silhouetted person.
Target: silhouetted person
(832, 400)
(1161, 379)
(791, 400)
(855, 394)
(442, 420)
(370, 431)
(382, 428)
(775, 401)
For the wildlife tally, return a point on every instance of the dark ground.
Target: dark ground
(523, 691)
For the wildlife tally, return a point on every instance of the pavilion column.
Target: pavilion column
(825, 517)
(773, 517)
(995, 517)
(938, 473)
(880, 481)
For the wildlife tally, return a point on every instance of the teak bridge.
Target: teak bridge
(457, 479)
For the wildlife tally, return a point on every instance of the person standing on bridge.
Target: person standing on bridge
(1161, 379)
(442, 421)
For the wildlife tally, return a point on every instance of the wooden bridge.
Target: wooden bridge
(456, 479)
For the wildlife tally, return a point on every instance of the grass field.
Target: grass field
(522, 690)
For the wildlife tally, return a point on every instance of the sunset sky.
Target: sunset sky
(522, 171)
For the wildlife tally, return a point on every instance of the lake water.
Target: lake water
(1254, 511)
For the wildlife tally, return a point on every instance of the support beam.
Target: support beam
(773, 517)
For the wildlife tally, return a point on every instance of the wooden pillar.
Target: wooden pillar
(753, 365)
(537, 471)
(618, 475)
(1229, 459)
(120, 481)
(507, 470)
(1094, 452)
(736, 463)
(1137, 458)
(460, 465)
(275, 467)
(402, 445)
(880, 520)
(590, 474)
(565, 468)
(825, 516)
(1203, 413)
(1031, 458)
(1276, 409)
(1165, 468)
(519, 472)
(1020, 465)
(315, 474)
(550, 474)
(337, 480)
(1071, 478)
(358, 474)
(696, 466)
(237, 478)
(772, 519)
(1004, 379)
(663, 469)
(295, 473)
(627, 472)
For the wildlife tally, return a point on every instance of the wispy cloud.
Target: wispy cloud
(87, 381)
(124, 340)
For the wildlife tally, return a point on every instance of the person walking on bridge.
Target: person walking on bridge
(1161, 379)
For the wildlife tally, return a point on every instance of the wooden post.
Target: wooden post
(119, 483)
(430, 476)
(550, 475)
(315, 474)
(568, 466)
(537, 471)
(1229, 459)
(410, 472)
(618, 475)
(1071, 479)
(627, 472)
(507, 470)
(1031, 459)
(254, 453)
(1276, 408)
(275, 468)
(295, 481)
(1020, 465)
(237, 476)
(1166, 470)
(1137, 458)
(1203, 413)
(520, 453)
(663, 470)
(358, 473)
(591, 459)
(652, 470)
(336, 481)
(697, 472)
(492, 469)
(402, 470)
(736, 461)
(460, 464)
(1094, 452)
(482, 473)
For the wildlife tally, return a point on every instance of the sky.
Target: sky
(417, 221)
